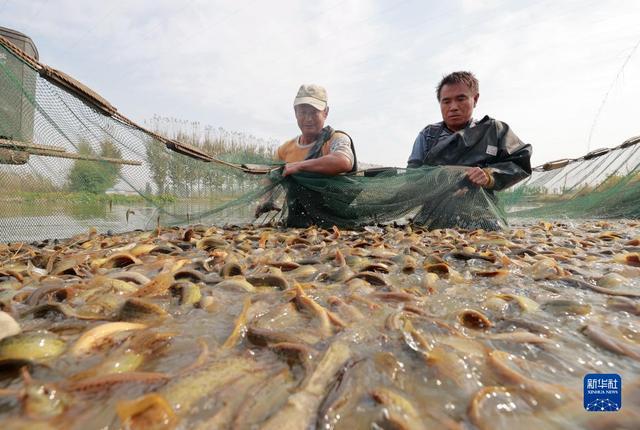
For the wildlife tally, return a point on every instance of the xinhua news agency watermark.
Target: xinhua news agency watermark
(602, 392)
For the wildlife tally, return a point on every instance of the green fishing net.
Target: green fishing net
(603, 184)
(70, 162)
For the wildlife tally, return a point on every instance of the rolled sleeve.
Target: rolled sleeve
(515, 162)
(341, 145)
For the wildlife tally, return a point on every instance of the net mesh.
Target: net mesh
(603, 184)
(70, 162)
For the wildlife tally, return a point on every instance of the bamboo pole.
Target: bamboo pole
(54, 151)
(18, 146)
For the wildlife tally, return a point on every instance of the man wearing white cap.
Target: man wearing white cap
(318, 149)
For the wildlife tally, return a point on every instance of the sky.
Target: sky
(565, 75)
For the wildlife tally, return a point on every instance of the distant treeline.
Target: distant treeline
(164, 173)
(183, 176)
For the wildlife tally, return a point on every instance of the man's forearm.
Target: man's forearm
(331, 164)
(511, 169)
(506, 174)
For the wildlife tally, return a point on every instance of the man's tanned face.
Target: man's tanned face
(310, 120)
(456, 104)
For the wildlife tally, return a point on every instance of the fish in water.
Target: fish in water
(262, 327)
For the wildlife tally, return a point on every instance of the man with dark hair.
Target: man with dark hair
(496, 157)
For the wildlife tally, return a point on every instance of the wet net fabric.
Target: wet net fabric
(433, 197)
(603, 184)
(67, 166)
(69, 162)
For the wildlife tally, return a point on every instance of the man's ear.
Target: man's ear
(475, 99)
(326, 111)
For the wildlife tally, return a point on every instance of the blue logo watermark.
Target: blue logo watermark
(602, 392)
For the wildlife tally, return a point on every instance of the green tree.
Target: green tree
(158, 160)
(95, 176)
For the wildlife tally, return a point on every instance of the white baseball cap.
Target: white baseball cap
(313, 95)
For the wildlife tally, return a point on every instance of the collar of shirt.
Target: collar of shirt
(472, 123)
(308, 145)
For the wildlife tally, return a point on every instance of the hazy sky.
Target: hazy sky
(544, 67)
